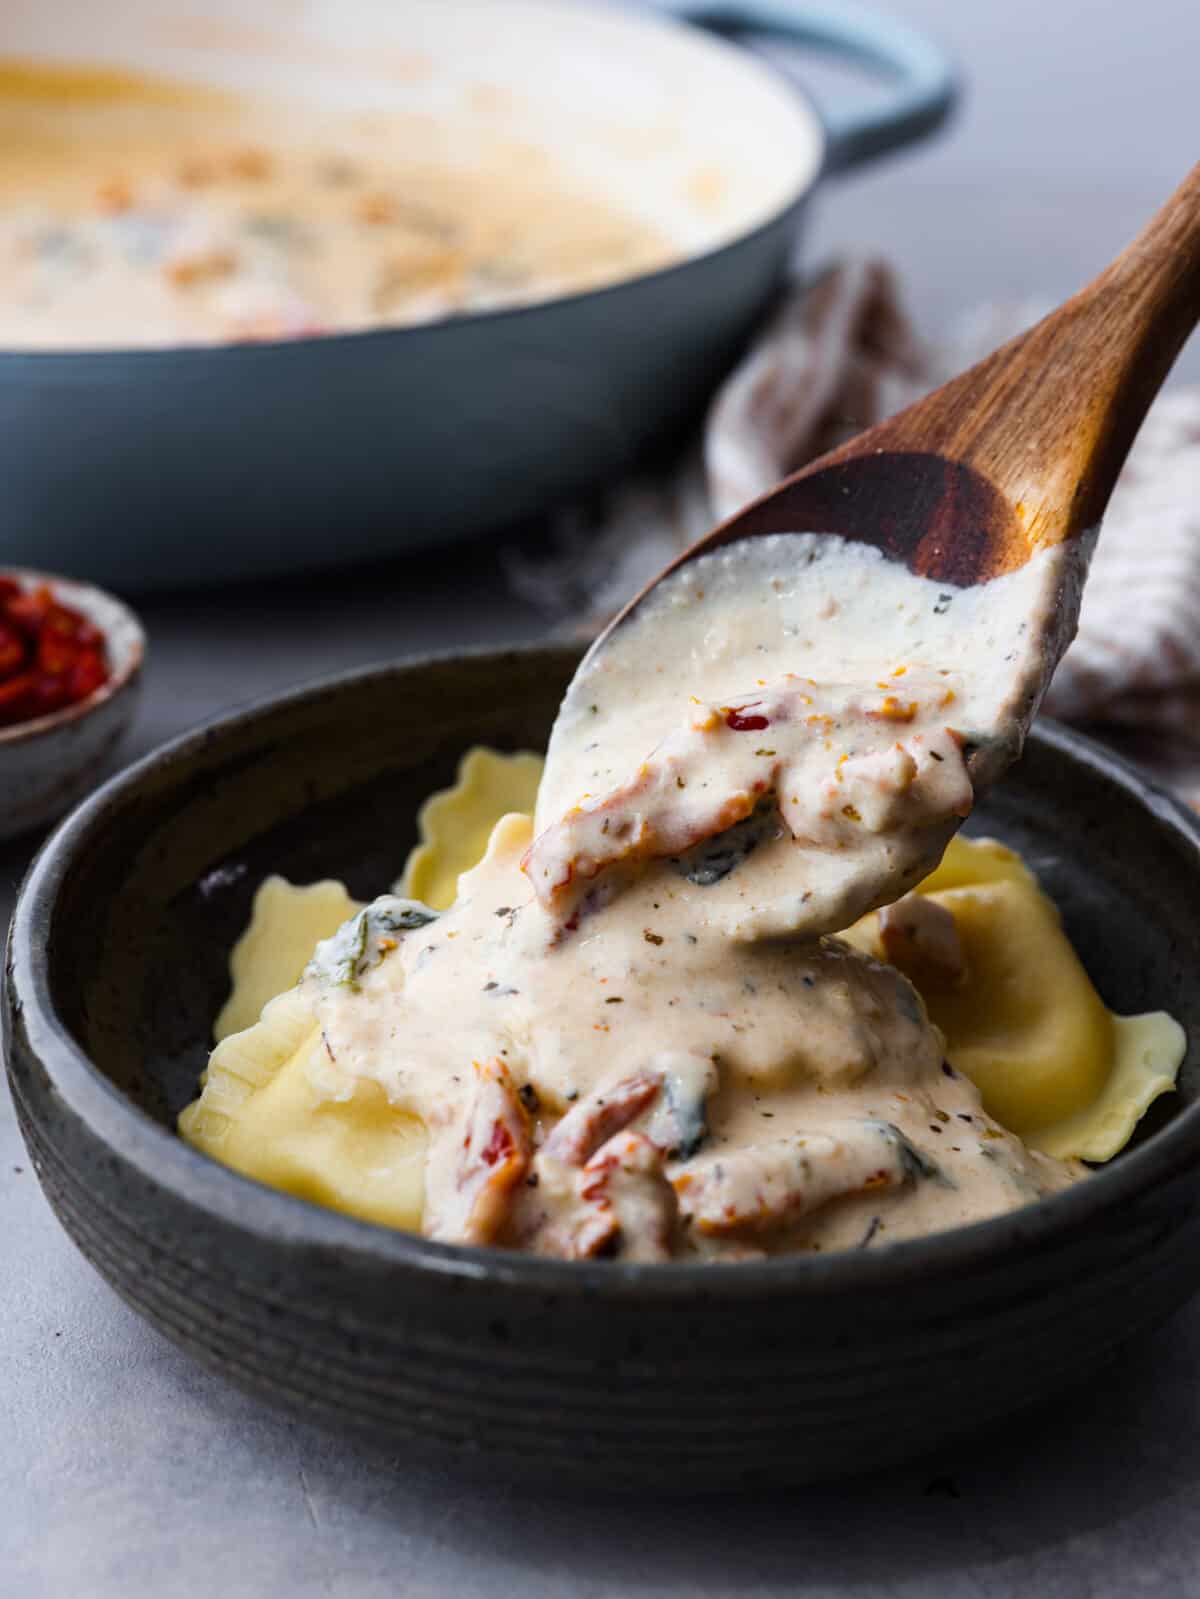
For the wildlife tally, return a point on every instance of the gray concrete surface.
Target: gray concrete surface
(125, 1470)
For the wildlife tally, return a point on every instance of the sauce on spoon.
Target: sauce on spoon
(807, 681)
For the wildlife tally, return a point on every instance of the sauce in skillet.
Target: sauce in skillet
(138, 213)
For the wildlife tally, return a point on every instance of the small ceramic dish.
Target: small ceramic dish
(671, 1377)
(47, 763)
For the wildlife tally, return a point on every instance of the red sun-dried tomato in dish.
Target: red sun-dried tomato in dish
(51, 656)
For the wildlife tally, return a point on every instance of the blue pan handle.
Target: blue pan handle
(924, 83)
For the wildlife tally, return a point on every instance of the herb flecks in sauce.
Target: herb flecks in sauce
(664, 1053)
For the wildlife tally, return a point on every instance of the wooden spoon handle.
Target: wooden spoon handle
(1020, 452)
(1049, 418)
(1141, 312)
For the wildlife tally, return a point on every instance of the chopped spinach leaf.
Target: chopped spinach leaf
(365, 941)
(714, 859)
(914, 1163)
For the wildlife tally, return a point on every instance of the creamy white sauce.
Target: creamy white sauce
(766, 1057)
(658, 1054)
(872, 787)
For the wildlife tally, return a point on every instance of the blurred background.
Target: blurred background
(1073, 120)
(1077, 119)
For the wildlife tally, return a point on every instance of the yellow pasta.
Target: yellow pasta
(456, 823)
(1024, 1022)
(286, 925)
(264, 1111)
(1053, 1064)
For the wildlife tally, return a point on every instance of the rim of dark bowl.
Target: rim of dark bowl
(283, 1220)
(250, 350)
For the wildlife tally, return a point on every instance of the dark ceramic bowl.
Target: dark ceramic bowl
(647, 1375)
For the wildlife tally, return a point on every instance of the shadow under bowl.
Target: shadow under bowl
(645, 1376)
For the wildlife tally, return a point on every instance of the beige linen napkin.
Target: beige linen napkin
(841, 354)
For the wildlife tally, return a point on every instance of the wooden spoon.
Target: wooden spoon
(1014, 459)
(1018, 453)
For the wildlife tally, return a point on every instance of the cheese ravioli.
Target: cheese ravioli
(1021, 1018)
